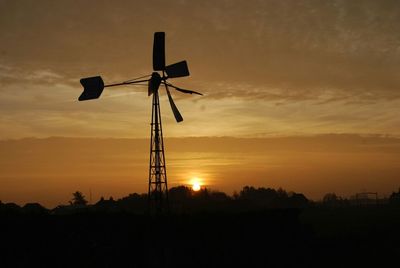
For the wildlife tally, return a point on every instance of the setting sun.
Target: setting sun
(196, 185)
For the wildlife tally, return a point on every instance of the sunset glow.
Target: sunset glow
(196, 184)
(303, 96)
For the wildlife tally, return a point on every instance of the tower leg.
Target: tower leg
(158, 188)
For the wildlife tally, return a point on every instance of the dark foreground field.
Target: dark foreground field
(311, 237)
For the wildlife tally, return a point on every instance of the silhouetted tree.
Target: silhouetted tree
(298, 200)
(34, 209)
(217, 196)
(132, 203)
(78, 199)
(331, 199)
(282, 193)
(179, 193)
(10, 208)
(262, 198)
(394, 198)
(258, 198)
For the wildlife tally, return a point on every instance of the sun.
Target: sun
(196, 185)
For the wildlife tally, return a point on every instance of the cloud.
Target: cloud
(292, 60)
(302, 47)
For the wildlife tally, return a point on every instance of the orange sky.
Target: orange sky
(268, 69)
(49, 170)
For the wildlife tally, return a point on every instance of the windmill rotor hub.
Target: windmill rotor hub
(154, 83)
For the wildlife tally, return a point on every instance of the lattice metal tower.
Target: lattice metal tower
(158, 186)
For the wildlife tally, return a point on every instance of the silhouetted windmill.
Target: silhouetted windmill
(93, 87)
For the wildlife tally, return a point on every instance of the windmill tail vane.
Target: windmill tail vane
(93, 88)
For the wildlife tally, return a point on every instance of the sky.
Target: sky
(268, 70)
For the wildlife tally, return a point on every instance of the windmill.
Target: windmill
(93, 87)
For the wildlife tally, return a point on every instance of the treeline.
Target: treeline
(183, 199)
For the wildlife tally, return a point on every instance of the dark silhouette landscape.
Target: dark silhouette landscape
(256, 227)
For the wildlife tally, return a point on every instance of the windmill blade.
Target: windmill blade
(92, 88)
(179, 69)
(187, 91)
(159, 51)
(175, 110)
